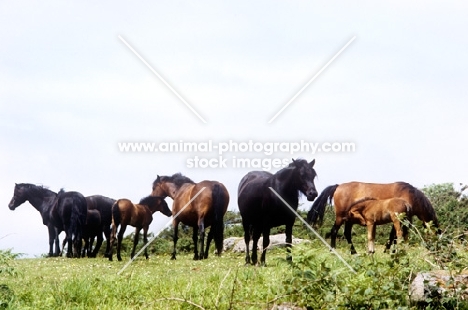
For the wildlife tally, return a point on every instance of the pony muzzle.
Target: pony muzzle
(311, 195)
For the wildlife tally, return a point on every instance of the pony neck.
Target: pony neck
(171, 189)
(41, 198)
(284, 182)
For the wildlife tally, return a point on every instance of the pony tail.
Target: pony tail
(317, 211)
(78, 220)
(116, 217)
(218, 223)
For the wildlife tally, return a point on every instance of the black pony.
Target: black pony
(65, 211)
(261, 209)
(91, 230)
(104, 206)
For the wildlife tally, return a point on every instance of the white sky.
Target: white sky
(70, 90)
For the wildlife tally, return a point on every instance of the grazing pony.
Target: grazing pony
(65, 211)
(346, 194)
(196, 209)
(371, 212)
(140, 215)
(261, 209)
(104, 206)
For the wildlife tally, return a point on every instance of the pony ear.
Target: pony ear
(312, 163)
(158, 178)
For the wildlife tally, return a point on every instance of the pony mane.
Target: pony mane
(178, 179)
(36, 188)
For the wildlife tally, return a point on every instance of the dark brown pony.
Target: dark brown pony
(125, 213)
(371, 212)
(346, 194)
(104, 206)
(207, 209)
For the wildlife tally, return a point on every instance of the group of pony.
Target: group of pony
(263, 200)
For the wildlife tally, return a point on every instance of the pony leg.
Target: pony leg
(68, 236)
(288, 241)
(175, 224)
(370, 237)
(348, 235)
(119, 240)
(57, 242)
(77, 244)
(333, 233)
(52, 238)
(391, 239)
(202, 239)
(209, 238)
(266, 243)
(64, 242)
(398, 229)
(256, 236)
(145, 240)
(195, 243)
(107, 233)
(135, 241)
(99, 241)
(247, 237)
(85, 249)
(90, 250)
(405, 231)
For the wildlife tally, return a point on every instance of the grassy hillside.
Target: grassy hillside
(315, 278)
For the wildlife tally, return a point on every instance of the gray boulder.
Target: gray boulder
(237, 244)
(439, 283)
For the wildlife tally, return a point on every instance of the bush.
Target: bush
(321, 283)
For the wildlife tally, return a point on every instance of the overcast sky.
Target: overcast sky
(71, 90)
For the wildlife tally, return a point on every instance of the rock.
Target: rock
(237, 244)
(437, 284)
(231, 242)
(286, 306)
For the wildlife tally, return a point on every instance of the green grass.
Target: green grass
(158, 283)
(315, 277)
